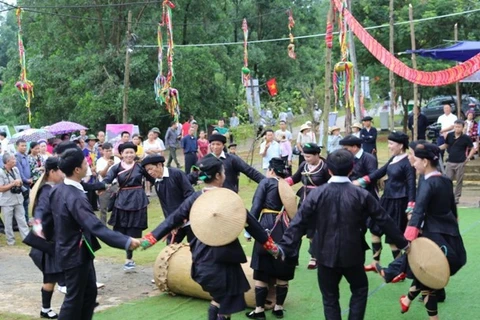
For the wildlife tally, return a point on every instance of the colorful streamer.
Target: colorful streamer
(291, 25)
(245, 70)
(24, 85)
(435, 78)
(164, 93)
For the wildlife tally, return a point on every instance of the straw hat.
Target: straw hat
(33, 194)
(218, 216)
(288, 197)
(304, 127)
(331, 129)
(428, 263)
(356, 125)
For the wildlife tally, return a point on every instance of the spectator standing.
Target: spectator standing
(103, 166)
(124, 138)
(44, 150)
(171, 142)
(369, 136)
(286, 153)
(83, 134)
(282, 116)
(137, 140)
(334, 139)
(446, 120)
(422, 124)
(35, 161)
(317, 113)
(304, 136)
(202, 144)
(221, 129)
(283, 132)
(356, 127)
(24, 168)
(186, 126)
(11, 199)
(4, 142)
(269, 149)
(471, 128)
(189, 146)
(290, 118)
(153, 145)
(457, 143)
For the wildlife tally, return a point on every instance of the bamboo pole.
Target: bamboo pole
(457, 84)
(328, 85)
(414, 66)
(391, 74)
(126, 79)
(356, 73)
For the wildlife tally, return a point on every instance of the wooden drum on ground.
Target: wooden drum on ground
(172, 275)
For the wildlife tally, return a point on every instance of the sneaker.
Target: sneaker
(100, 285)
(129, 266)
(62, 289)
(48, 315)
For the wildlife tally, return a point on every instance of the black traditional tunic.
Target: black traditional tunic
(130, 209)
(369, 138)
(217, 269)
(435, 213)
(310, 178)
(399, 190)
(338, 212)
(44, 261)
(266, 208)
(173, 190)
(365, 165)
(233, 166)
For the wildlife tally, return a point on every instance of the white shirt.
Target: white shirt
(70, 182)
(157, 144)
(359, 154)
(279, 133)
(272, 152)
(166, 174)
(102, 164)
(447, 121)
(316, 115)
(339, 179)
(282, 116)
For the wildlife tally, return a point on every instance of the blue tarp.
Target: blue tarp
(460, 51)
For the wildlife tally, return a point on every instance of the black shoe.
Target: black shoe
(253, 315)
(278, 313)
(48, 315)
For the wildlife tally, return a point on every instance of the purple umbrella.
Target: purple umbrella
(65, 127)
(31, 135)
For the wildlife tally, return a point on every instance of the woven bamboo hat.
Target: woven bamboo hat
(288, 197)
(33, 194)
(428, 263)
(218, 216)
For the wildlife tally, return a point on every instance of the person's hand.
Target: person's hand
(147, 241)
(30, 181)
(37, 228)
(356, 183)
(247, 236)
(17, 183)
(134, 244)
(110, 162)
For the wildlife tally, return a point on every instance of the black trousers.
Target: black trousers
(190, 160)
(328, 281)
(81, 294)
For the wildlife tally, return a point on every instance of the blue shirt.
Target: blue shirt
(24, 167)
(189, 144)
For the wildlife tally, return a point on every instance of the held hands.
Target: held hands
(271, 247)
(247, 236)
(147, 241)
(410, 207)
(134, 244)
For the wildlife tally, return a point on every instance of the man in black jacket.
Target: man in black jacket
(172, 187)
(364, 163)
(368, 134)
(422, 125)
(339, 210)
(76, 229)
(233, 164)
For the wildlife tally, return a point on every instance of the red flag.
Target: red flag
(272, 87)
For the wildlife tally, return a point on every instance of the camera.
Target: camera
(16, 190)
(112, 158)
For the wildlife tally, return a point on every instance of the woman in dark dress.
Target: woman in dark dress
(44, 227)
(267, 207)
(129, 215)
(312, 173)
(398, 197)
(216, 269)
(435, 216)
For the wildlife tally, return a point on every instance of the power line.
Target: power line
(311, 35)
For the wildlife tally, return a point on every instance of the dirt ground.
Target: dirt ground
(21, 284)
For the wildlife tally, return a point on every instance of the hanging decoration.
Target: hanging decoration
(291, 25)
(245, 70)
(343, 82)
(165, 94)
(272, 87)
(435, 78)
(24, 85)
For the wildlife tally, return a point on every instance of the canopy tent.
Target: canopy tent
(460, 51)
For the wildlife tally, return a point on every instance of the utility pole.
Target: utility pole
(414, 66)
(391, 75)
(457, 84)
(353, 59)
(328, 84)
(126, 79)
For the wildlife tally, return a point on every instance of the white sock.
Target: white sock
(46, 310)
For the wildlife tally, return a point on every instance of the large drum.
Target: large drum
(172, 275)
